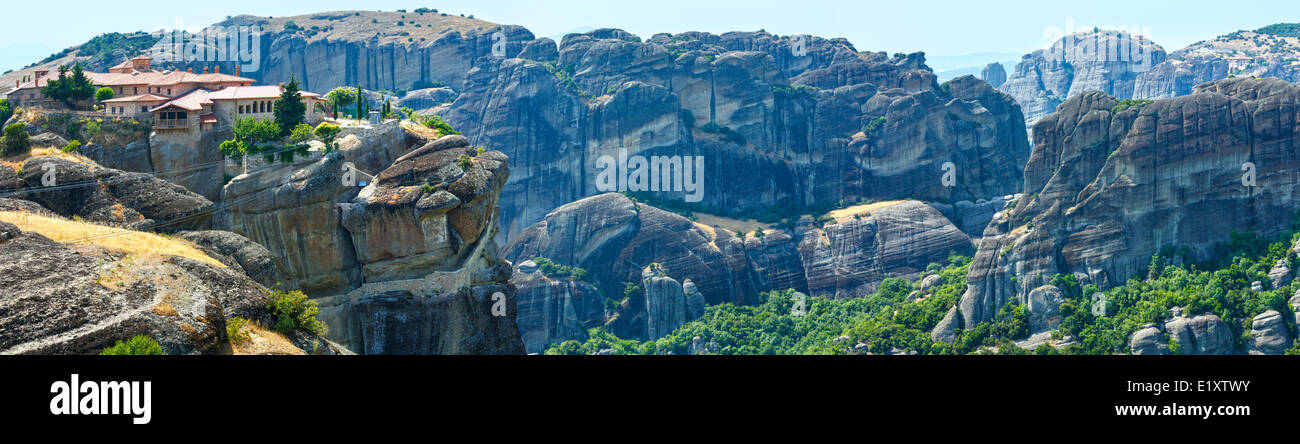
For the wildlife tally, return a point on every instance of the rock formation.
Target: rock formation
(994, 74)
(615, 239)
(1108, 188)
(405, 265)
(1101, 60)
(831, 124)
(74, 188)
(553, 310)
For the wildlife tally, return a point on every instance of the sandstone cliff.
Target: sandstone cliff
(405, 265)
(615, 239)
(1107, 188)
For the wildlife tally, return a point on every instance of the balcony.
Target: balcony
(171, 123)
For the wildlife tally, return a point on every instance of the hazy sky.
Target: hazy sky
(34, 29)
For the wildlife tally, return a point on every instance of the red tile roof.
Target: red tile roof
(253, 92)
(192, 101)
(139, 98)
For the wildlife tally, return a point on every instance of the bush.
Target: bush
(103, 94)
(327, 132)
(72, 146)
(139, 345)
(437, 123)
(6, 111)
(301, 133)
(17, 141)
(235, 330)
(465, 162)
(293, 311)
(554, 270)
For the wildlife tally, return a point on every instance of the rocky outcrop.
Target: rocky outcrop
(405, 265)
(239, 253)
(614, 239)
(744, 102)
(1099, 60)
(1201, 335)
(666, 304)
(106, 196)
(994, 74)
(553, 310)
(1106, 189)
(56, 299)
(1269, 334)
(1149, 341)
(292, 210)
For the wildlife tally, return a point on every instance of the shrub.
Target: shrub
(465, 161)
(301, 133)
(554, 270)
(235, 330)
(103, 94)
(138, 345)
(437, 123)
(327, 132)
(6, 111)
(17, 141)
(72, 146)
(293, 311)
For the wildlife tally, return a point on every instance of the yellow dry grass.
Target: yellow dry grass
(864, 209)
(16, 161)
(263, 341)
(109, 238)
(729, 224)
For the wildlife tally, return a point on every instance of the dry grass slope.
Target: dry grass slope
(109, 238)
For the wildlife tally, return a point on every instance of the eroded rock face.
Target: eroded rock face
(105, 195)
(239, 253)
(665, 302)
(1106, 190)
(793, 123)
(553, 310)
(405, 265)
(1149, 341)
(292, 210)
(1269, 334)
(611, 237)
(58, 299)
(1105, 61)
(994, 74)
(1201, 335)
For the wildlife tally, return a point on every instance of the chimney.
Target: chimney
(216, 69)
(190, 70)
(205, 69)
(237, 74)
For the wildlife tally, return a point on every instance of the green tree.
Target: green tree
(327, 132)
(6, 111)
(103, 94)
(341, 97)
(251, 136)
(294, 311)
(70, 88)
(289, 110)
(17, 141)
(302, 133)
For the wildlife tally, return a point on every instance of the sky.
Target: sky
(939, 28)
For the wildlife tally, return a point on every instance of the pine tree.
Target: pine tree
(289, 110)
